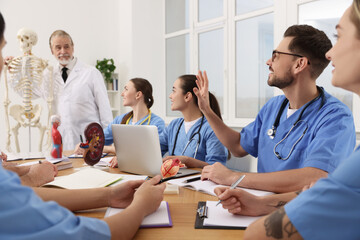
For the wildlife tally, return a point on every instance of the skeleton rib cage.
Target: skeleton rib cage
(25, 76)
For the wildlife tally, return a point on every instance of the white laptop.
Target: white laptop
(138, 150)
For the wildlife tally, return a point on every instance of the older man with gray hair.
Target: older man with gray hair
(80, 95)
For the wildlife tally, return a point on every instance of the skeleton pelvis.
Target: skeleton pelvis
(20, 115)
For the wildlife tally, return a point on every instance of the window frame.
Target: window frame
(286, 13)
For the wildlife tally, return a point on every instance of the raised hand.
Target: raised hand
(202, 92)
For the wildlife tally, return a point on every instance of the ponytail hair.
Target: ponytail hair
(188, 83)
(145, 87)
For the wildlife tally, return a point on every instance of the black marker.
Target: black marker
(193, 179)
(166, 179)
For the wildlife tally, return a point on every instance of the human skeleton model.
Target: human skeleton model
(26, 76)
(56, 151)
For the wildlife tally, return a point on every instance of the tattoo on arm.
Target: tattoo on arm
(280, 204)
(290, 229)
(273, 224)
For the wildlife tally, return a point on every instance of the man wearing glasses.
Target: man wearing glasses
(297, 137)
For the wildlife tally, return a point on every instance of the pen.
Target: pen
(233, 186)
(192, 179)
(166, 179)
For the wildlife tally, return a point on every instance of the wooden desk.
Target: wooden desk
(182, 209)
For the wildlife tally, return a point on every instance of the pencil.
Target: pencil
(233, 186)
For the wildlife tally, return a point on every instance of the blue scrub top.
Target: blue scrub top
(23, 215)
(331, 208)
(155, 120)
(329, 139)
(210, 148)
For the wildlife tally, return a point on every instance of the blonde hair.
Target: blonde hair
(355, 15)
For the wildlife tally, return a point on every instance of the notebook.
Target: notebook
(138, 150)
(24, 156)
(63, 165)
(208, 186)
(220, 218)
(81, 156)
(85, 178)
(52, 160)
(160, 218)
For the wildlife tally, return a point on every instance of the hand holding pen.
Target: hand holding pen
(233, 186)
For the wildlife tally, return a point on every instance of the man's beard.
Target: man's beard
(281, 82)
(63, 61)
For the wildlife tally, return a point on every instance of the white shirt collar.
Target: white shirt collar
(188, 125)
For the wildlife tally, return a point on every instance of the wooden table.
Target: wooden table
(182, 209)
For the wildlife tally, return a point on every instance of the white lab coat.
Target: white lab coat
(81, 100)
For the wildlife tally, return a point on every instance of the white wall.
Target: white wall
(148, 48)
(129, 31)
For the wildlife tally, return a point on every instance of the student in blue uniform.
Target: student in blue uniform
(31, 213)
(330, 209)
(297, 137)
(137, 94)
(190, 138)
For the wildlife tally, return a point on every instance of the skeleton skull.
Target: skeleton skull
(27, 39)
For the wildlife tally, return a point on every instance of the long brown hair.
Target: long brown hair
(145, 87)
(188, 83)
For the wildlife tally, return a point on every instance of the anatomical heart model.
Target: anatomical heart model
(171, 167)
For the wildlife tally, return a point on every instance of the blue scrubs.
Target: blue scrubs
(210, 148)
(331, 208)
(23, 215)
(155, 120)
(329, 139)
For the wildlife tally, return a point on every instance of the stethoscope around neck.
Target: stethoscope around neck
(191, 138)
(272, 131)
(148, 118)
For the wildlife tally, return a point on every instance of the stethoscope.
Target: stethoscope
(272, 131)
(191, 138)
(148, 118)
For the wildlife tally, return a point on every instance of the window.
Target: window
(233, 39)
(254, 44)
(326, 21)
(204, 41)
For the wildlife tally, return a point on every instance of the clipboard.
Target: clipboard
(201, 214)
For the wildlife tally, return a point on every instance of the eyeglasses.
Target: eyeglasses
(291, 54)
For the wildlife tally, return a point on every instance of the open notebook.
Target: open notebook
(24, 156)
(209, 186)
(60, 163)
(160, 218)
(86, 178)
(218, 217)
